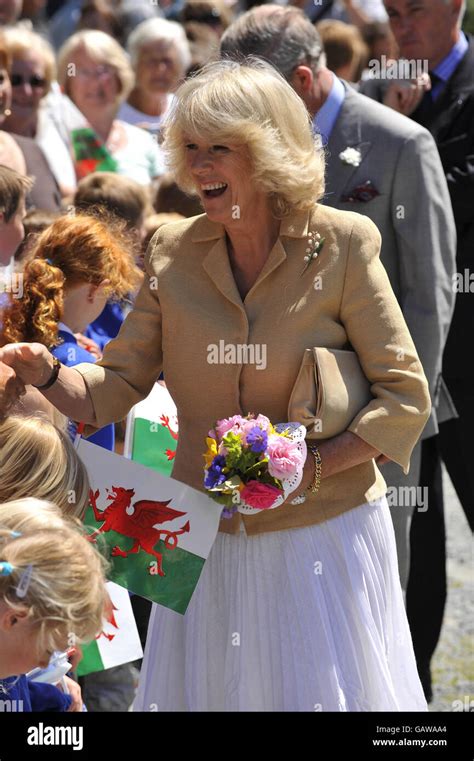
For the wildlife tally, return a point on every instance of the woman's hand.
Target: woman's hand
(337, 454)
(306, 481)
(32, 362)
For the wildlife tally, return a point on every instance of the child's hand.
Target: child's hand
(89, 345)
(11, 388)
(75, 693)
(74, 656)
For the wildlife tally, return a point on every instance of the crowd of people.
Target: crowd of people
(201, 145)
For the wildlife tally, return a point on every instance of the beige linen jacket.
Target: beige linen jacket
(189, 303)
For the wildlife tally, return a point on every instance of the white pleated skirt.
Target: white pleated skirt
(308, 619)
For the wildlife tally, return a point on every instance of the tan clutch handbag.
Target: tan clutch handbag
(329, 392)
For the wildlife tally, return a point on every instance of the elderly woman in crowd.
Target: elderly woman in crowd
(32, 73)
(160, 56)
(93, 70)
(311, 589)
(10, 153)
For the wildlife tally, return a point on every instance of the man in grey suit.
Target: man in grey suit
(385, 166)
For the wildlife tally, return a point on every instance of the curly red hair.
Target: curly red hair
(75, 249)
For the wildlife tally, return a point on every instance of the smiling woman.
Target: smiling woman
(32, 72)
(236, 276)
(220, 116)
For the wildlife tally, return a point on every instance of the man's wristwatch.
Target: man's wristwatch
(54, 375)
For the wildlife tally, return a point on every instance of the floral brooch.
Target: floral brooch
(351, 156)
(315, 244)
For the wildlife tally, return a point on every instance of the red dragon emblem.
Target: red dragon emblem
(136, 521)
(109, 618)
(165, 422)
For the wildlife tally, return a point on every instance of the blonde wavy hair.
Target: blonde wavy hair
(78, 248)
(66, 596)
(20, 42)
(249, 104)
(103, 49)
(38, 460)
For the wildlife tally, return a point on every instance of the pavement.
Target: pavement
(453, 662)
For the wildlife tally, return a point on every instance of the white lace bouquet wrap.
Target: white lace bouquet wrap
(252, 465)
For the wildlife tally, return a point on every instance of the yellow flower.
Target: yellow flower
(211, 451)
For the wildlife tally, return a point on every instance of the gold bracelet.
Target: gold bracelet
(316, 482)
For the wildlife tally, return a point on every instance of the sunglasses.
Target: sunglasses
(34, 81)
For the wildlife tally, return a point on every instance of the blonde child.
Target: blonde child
(38, 460)
(52, 593)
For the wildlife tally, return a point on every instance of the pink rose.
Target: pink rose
(261, 496)
(248, 425)
(227, 424)
(285, 459)
(263, 422)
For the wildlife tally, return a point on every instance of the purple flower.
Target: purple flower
(228, 512)
(215, 476)
(257, 439)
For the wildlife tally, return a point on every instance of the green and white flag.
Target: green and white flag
(152, 431)
(118, 642)
(129, 505)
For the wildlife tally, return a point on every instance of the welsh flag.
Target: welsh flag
(151, 433)
(118, 642)
(128, 507)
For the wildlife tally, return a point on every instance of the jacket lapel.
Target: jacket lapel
(216, 262)
(346, 133)
(217, 266)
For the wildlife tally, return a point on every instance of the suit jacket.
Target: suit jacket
(413, 213)
(451, 122)
(189, 303)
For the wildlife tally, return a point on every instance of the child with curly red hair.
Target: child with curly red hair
(76, 265)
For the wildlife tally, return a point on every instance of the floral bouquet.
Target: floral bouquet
(252, 465)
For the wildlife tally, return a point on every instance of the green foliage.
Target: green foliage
(468, 23)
